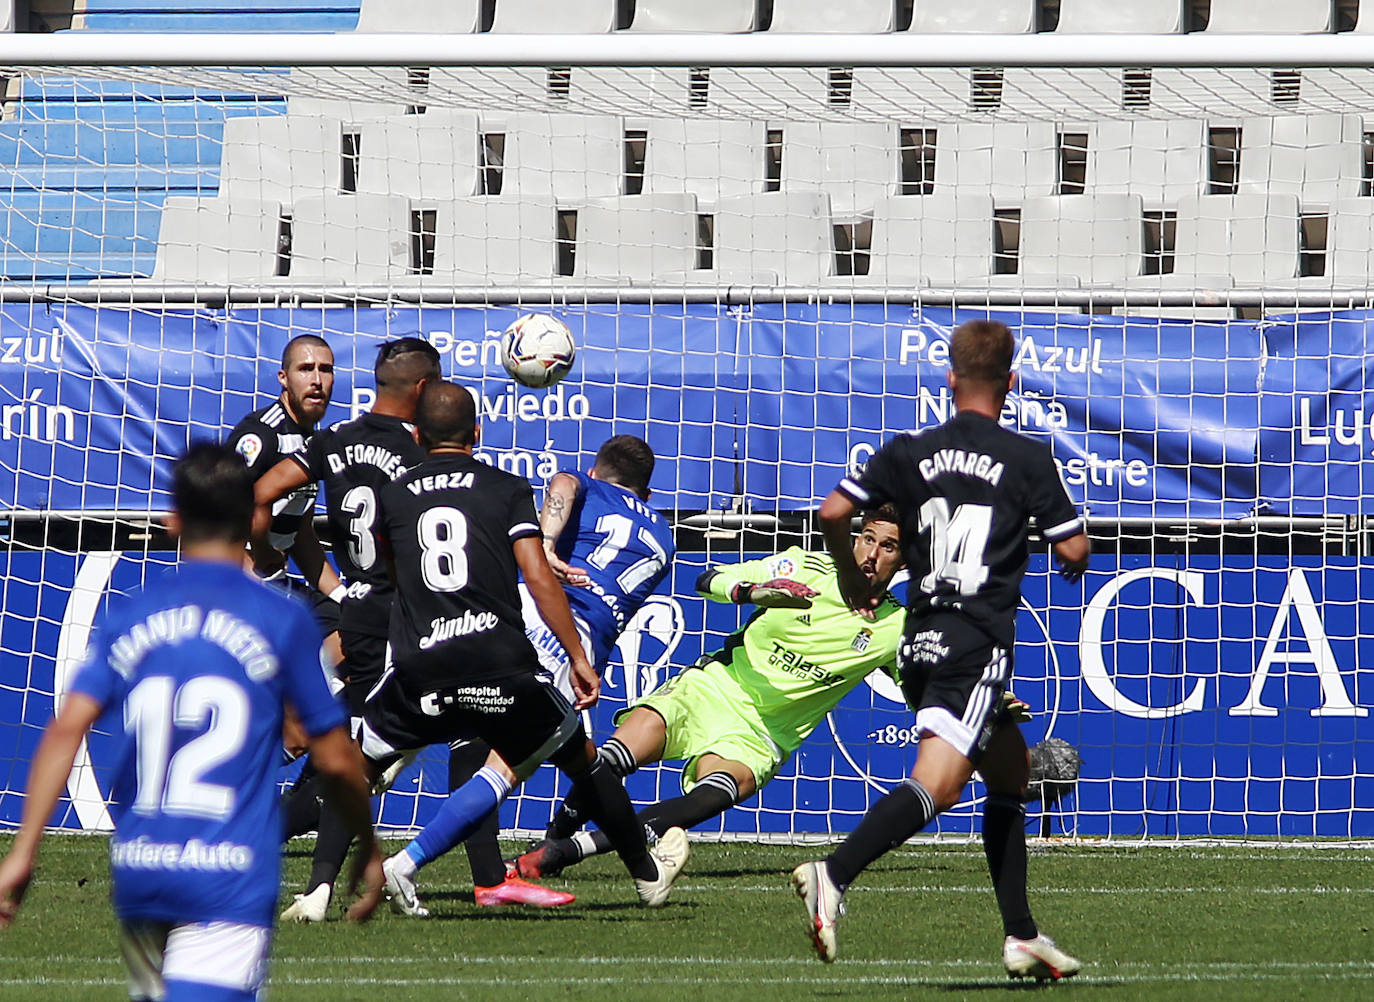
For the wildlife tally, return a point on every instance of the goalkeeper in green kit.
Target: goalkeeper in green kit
(742, 712)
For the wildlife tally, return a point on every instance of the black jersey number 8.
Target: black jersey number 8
(443, 534)
(958, 544)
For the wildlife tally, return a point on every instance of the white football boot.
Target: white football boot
(312, 907)
(824, 906)
(1037, 958)
(400, 891)
(670, 853)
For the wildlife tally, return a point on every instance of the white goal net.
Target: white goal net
(760, 263)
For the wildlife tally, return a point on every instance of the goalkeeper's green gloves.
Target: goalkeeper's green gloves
(1018, 710)
(780, 593)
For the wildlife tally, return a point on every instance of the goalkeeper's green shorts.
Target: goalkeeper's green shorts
(707, 711)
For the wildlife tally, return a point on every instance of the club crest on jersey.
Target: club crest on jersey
(250, 448)
(783, 567)
(861, 640)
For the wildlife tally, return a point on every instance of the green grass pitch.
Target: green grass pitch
(1177, 922)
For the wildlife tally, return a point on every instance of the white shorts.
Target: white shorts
(553, 659)
(228, 957)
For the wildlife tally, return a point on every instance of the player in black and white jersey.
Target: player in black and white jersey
(269, 435)
(459, 533)
(354, 460)
(966, 492)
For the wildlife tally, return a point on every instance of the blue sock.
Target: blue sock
(459, 815)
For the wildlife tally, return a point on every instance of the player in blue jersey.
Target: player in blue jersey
(198, 665)
(611, 551)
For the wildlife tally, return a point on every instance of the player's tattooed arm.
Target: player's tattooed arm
(553, 519)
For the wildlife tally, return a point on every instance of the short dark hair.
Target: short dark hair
(628, 461)
(302, 341)
(982, 350)
(883, 513)
(446, 415)
(212, 489)
(404, 362)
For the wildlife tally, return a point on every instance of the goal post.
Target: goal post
(761, 245)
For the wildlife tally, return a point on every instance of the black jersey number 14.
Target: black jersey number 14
(958, 545)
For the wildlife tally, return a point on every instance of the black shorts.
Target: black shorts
(362, 667)
(524, 719)
(322, 607)
(953, 676)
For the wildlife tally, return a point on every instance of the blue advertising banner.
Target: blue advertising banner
(1208, 696)
(1316, 417)
(1146, 418)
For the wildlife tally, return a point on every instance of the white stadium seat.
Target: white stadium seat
(767, 93)
(1143, 17)
(1252, 239)
(636, 238)
(646, 91)
(939, 240)
(1272, 17)
(983, 17)
(567, 157)
(1010, 160)
(281, 158)
(350, 94)
(554, 17)
(428, 17)
(863, 17)
(486, 240)
(1350, 243)
(350, 239)
(1319, 158)
(426, 157)
(488, 86)
(217, 241)
(1364, 19)
(1161, 161)
(777, 238)
(853, 163)
(707, 157)
(725, 16)
(1089, 239)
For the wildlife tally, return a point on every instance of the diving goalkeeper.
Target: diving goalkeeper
(741, 714)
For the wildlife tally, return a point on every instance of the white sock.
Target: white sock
(403, 864)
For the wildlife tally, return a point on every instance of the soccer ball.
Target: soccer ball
(537, 350)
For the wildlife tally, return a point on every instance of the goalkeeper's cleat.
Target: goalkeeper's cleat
(545, 860)
(400, 891)
(670, 854)
(824, 906)
(514, 891)
(1037, 958)
(311, 907)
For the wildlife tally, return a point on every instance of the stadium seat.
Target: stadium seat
(1350, 243)
(1161, 161)
(902, 94)
(1145, 17)
(350, 94)
(568, 157)
(776, 238)
(1010, 160)
(1069, 95)
(636, 238)
(699, 15)
(1271, 17)
(766, 93)
(350, 239)
(488, 86)
(1364, 19)
(1222, 240)
(1091, 239)
(435, 156)
(1319, 158)
(281, 158)
(707, 157)
(864, 17)
(429, 17)
(551, 17)
(217, 241)
(983, 17)
(939, 240)
(1223, 96)
(487, 240)
(853, 163)
(644, 92)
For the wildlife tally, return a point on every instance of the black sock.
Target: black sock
(484, 852)
(713, 794)
(1004, 844)
(888, 823)
(331, 849)
(300, 805)
(572, 815)
(609, 806)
